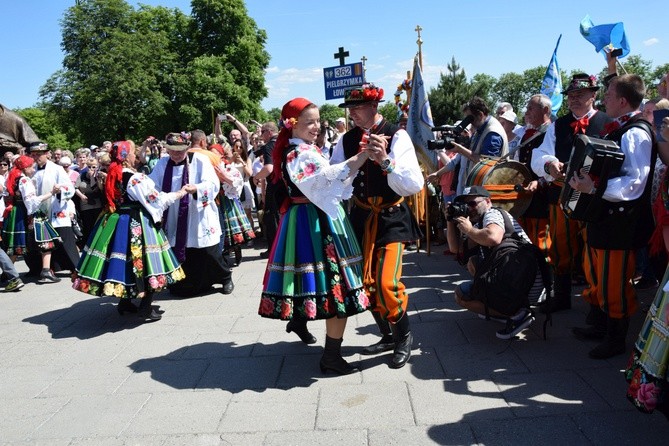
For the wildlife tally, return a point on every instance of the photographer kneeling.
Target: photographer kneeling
(475, 229)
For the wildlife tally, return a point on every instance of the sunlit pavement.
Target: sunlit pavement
(73, 371)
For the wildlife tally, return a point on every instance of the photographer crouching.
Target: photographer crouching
(476, 231)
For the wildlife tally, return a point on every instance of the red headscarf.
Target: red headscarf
(21, 163)
(118, 154)
(289, 114)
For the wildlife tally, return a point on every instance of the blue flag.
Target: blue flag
(419, 124)
(551, 86)
(605, 37)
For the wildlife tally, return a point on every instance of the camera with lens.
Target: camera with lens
(450, 134)
(455, 210)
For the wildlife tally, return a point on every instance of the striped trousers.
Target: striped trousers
(609, 275)
(388, 293)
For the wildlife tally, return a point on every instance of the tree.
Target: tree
(452, 92)
(330, 113)
(509, 88)
(130, 73)
(388, 111)
(46, 128)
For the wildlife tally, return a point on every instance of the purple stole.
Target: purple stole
(182, 218)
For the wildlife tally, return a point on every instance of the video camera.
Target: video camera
(450, 134)
(455, 210)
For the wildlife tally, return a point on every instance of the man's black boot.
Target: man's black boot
(403, 341)
(386, 343)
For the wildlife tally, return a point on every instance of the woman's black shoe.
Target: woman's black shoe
(332, 360)
(126, 305)
(300, 329)
(149, 316)
(238, 255)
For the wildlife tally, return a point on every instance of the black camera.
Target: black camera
(455, 210)
(450, 134)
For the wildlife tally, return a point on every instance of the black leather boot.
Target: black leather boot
(386, 343)
(561, 299)
(332, 359)
(403, 342)
(146, 311)
(597, 330)
(238, 255)
(299, 327)
(126, 306)
(614, 344)
(595, 316)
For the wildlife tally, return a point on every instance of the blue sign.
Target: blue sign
(338, 78)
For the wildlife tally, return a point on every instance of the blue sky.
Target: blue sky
(492, 37)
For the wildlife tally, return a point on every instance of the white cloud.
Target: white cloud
(651, 41)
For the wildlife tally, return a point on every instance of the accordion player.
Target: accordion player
(602, 160)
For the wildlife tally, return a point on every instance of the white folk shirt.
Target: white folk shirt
(204, 227)
(56, 208)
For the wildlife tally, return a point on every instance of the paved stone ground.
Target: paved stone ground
(72, 372)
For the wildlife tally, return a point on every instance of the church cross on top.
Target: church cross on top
(341, 55)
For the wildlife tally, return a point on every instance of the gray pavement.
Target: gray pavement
(72, 372)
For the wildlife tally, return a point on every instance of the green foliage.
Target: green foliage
(273, 115)
(129, 73)
(452, 92)
(46, 128)
(330, 113)
(389, 111)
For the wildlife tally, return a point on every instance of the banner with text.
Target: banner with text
(338, 78)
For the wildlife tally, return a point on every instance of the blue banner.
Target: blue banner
(605, 37)
(551, 86)
(419, 124)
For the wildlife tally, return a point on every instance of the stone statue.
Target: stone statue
(15, 133)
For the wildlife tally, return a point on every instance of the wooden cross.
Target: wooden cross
(341, 55)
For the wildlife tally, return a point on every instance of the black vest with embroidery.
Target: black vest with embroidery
(626, 225)
(371, 180)
(564, 132)
(396, 223)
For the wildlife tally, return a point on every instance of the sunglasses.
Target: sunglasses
(473, 203)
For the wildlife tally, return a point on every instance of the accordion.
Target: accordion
(602, 160)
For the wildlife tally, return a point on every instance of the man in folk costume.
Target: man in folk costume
(58, 211)
(549, 161)
(535, 219)
(380, 216)
(191, 224)
(626, 221)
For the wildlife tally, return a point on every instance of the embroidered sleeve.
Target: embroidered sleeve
(233, 190)
(143, 190)
(29, 194)
(406, 178)
(323, 184)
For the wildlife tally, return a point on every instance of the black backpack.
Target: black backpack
(508, 273)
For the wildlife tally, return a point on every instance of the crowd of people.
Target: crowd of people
(129, 220)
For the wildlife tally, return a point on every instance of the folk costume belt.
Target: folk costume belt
(375, 205)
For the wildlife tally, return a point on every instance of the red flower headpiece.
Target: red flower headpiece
(361, 94)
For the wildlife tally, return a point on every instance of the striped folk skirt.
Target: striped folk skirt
(126, 255)
(314, 270)
(237, 228)
(19, 227)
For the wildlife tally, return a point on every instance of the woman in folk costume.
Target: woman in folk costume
(20, 231)
(126, 255)
(647, 371)
(314, 270)
(237, 228)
